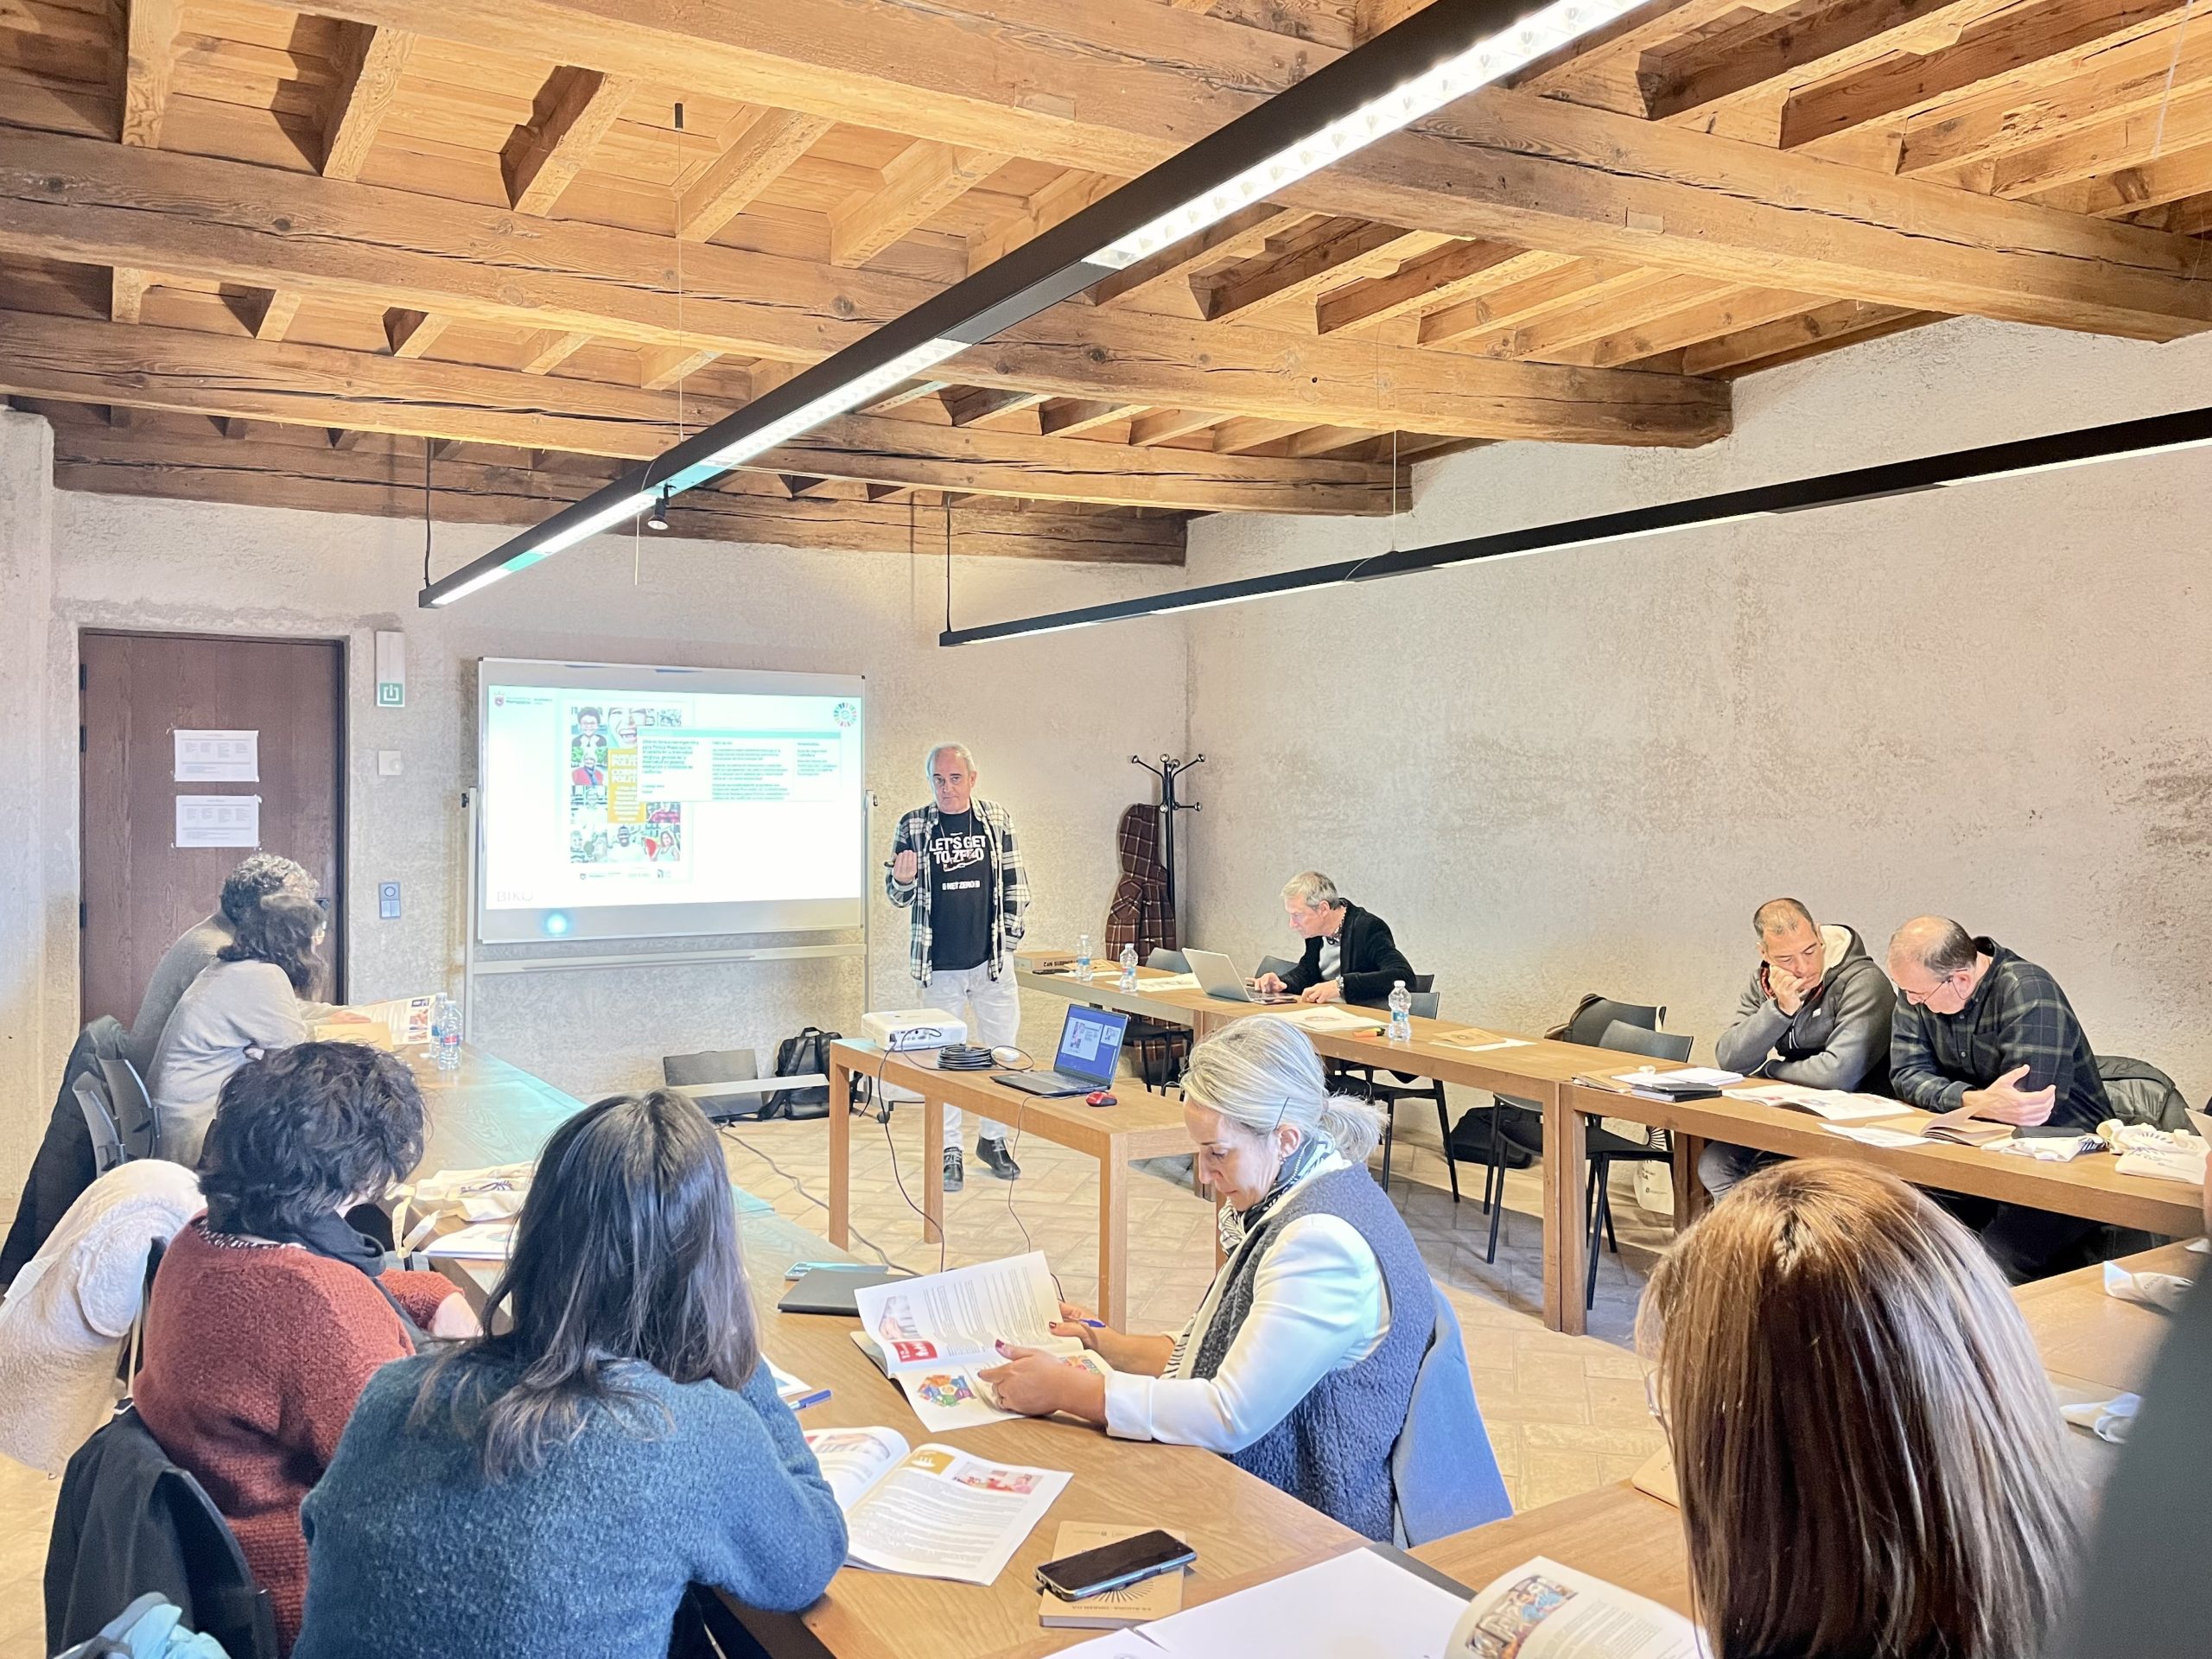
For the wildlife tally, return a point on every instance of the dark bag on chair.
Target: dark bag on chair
(796, 1057)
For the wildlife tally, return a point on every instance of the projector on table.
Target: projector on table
(902, 1029)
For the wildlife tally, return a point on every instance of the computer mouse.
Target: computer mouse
(1099, 1098)
(1006, 1055)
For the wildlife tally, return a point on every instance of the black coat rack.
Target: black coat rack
(1168, 772)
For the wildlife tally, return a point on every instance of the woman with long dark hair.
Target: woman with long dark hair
(244, 1004)
(556, 1487)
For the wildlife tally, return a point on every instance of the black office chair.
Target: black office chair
(1607, 1149)
(1520, 1122)
(1386, 1093)
(131, 1522)
(1172, 1041)
(1281, 967)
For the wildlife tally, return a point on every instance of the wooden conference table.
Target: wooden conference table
(1144, 1123)
(1542, 1071)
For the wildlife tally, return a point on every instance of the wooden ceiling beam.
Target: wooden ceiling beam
(1330, 261)
(1506, 307)
(1164, 425)
(2142, 186)
(2123, 156)
(1707, 317)
(1603, 308)
(1168, 271)
(1772, 344)
(1120, 85)
(98, 204)
(149, 59)
(662, 367)
(375, 481)
(1060, 201)
(189, 372)
(1064, 418)
(574, 110)
(548, 349)
(2018, 47)
(370, 61)
(752, 158)
(1799, 44)
(126, 293)
(921, 181)
(1428, 283)
(411, 334)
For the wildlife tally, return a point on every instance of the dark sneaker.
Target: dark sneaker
(998, 1159)
(954, 1177)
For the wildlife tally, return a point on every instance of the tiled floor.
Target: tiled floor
(1565, 1413)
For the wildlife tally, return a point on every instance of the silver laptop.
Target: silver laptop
(1217, 976)
(1091, 1051)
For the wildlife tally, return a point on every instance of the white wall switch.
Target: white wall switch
(387, 763)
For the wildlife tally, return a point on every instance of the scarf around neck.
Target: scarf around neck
(1237, 1225)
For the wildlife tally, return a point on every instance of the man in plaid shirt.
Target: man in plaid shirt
(1980, 1030)
(954, 864)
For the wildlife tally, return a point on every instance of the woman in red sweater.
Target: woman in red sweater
(269, 1313)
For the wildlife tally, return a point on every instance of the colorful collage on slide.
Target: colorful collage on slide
(613, 830)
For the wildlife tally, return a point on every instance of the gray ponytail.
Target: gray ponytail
(1262, 1071)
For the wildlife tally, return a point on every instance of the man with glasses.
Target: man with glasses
(1980, 1030)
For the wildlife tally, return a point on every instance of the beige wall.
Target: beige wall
(128, 562)
(1579, 771)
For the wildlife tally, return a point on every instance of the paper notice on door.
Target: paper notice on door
(217, 820)
(216, 758)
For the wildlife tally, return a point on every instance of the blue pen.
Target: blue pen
(1096, 1325)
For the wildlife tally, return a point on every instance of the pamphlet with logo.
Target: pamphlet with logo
(936, 1334)
(929, 1512)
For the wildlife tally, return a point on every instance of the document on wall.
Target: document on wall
(936, 1334)
(931, 1512)
(217, 820)
(216, 757)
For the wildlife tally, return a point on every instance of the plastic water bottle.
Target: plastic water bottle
(1083, 957)
(1401, 1013)
(445, 1032)
(1128, 967)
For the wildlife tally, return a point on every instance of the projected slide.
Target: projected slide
(673, 802)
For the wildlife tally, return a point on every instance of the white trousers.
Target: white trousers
(992, 1009)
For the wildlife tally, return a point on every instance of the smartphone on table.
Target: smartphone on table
(1115, 1567)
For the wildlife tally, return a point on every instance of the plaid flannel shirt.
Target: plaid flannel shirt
(1009, 895)
(2017, 1016)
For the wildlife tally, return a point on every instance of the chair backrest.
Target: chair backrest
(1425, 1003)
(1168, 962)
(108, 1148)
(1588, 1024)
(1279, 966)
(131, 1522)
(1444, 1476)
(2140, 1093)
(1653, 1045)
(135, 1117)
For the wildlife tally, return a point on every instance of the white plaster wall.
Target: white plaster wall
(1052, 724)
(1581, 771)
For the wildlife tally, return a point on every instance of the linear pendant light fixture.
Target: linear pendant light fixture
(2122, 439)
(1436, 56)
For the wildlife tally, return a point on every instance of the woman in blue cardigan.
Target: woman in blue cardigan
(555, 1489)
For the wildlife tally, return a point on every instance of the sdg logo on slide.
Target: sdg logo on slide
(845, 713)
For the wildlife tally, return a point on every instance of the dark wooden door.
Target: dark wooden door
(140, 890)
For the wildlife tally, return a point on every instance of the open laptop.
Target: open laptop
(1217, 976)
(1090, 1049)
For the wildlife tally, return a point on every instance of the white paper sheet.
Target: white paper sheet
(1360, 1605)
(217, 820)
(216, 758)
(1875, 1137)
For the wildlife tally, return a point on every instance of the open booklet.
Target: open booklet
(1836, 1105)
(929, 1512)
(1377, 1601)
(936, 1334)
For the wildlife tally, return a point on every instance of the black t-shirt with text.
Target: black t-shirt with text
(960, 893)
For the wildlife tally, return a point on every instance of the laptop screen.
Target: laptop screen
(1091, 1043)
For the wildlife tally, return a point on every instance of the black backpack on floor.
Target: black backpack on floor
(796, 1057)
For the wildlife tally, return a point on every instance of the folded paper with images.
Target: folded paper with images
(1836, 1105)
(931, 1512)
(2159, 1290)
(1544, 1611)
(1874, 1137)
(934, 1335)
(1369, 1603)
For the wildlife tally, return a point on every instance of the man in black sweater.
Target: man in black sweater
(1349, 955)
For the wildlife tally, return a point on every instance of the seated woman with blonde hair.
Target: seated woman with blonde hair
(1300, 1366)
(1870, 1461)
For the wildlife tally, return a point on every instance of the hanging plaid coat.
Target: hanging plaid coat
(1139, 914)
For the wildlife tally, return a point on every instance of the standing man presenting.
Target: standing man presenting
(954, 864)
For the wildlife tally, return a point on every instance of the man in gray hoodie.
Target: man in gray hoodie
(1816, 1013)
